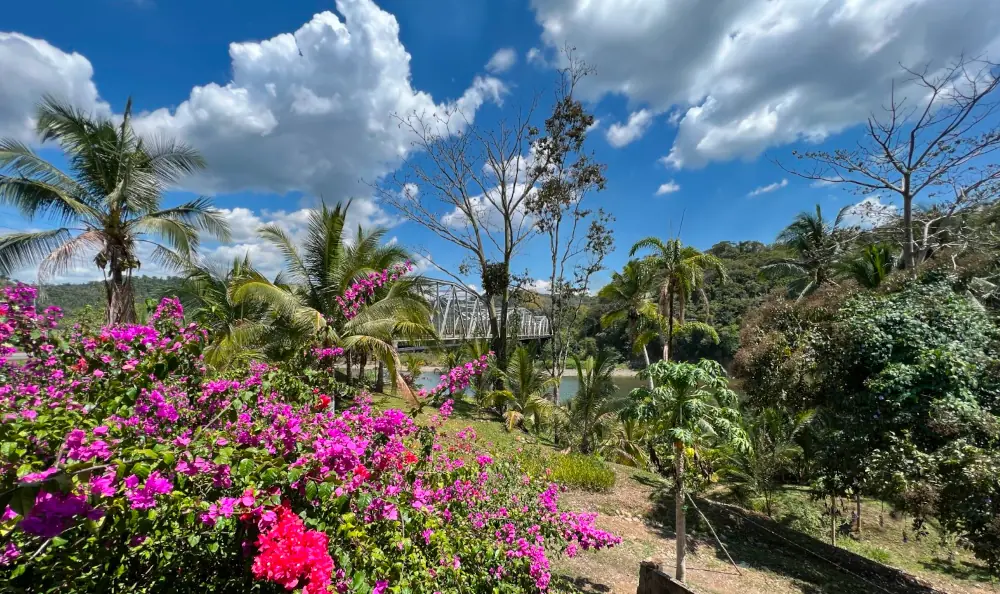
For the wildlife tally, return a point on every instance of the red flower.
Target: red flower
(361, 471)
(409, 457)
(324, 401)
(291, 555)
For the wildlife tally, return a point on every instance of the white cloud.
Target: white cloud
(870, 212)
(752, 74)
(31, 68)
(502, 61)
(768, 188)
(536, 57)
(596, 125)
(620, 135)
(668, 188)
(308, 111)
(541, 286)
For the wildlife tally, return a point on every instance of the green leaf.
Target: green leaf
(193, 540)
(24, 499)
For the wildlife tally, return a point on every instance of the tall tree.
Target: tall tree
(679, 271)
(579, 239)
(472, 187)
(817, 244)
(688, 404)
(109, 203)
(914, 149)
(627, 299)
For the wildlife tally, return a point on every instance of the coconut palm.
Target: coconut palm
(690, 407)
(871, 266)
(627, 298)
(109, 203)
(817, 244)
(678, 272)
(238, 331)
(593, 409)
(772, 435)
(322, 269)
(526, 387)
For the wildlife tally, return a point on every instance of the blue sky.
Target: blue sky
(713, 93)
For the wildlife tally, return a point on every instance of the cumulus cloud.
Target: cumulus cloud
(308, 111)
(31, 68)
(768, 188)
(535, 57)
(540, 285)
(668, 188)
(752, 74)
(870, 212)
(502, 61)
(619, 135)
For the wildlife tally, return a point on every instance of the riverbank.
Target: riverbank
(570, 372)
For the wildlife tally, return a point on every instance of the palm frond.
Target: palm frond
(24, 249)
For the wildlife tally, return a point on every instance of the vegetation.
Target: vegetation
(111, 202)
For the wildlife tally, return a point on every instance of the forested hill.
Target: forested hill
(73, 297)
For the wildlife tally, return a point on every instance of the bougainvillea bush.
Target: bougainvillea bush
(126, 467)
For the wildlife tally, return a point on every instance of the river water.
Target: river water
(567, 388)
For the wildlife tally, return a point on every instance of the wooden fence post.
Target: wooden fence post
(652, 580)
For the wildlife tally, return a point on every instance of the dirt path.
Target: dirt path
(631, 511)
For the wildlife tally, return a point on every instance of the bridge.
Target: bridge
(459, 315)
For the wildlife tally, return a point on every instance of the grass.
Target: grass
(775, 556)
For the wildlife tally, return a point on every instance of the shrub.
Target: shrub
(126, 468)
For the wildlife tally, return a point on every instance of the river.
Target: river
(567, 388)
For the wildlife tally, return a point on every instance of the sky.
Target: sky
(291, 103)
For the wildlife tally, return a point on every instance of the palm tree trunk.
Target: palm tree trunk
(645, 356)
(670, 327)
(349, 361)
(380, 378)
(682, 302)
(680, 522)
(121, 298)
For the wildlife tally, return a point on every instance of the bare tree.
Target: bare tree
(931, 147)
(470, 187)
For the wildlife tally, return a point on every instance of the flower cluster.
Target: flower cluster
(458, 378)
(323, 354)
(292, 556)
(354, 298)
(153, 452)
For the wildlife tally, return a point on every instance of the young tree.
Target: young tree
(472, 187)
(627, 299)
(818, 245)
(109, 204)
(568, 174)
(915, 149)
(688, 403)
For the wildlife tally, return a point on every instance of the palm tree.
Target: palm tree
(323, 269)
(870, 267)
(690, 406)
(593, 408)
(109, 203)
(626, 443)
(627, 296)
(772, 435)
(526, 388)
(238, 331)
(817, 245)
(678, 271)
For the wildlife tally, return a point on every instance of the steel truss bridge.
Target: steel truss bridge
(459, 315)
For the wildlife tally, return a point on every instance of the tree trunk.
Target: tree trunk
(349, 361)
(362, 363)
(682, 302)
(121, 298)
(670, 327)
(679, 519)
(857, 502)
(645, 356)
(908, 244)
(380, 378)
(833, 520)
